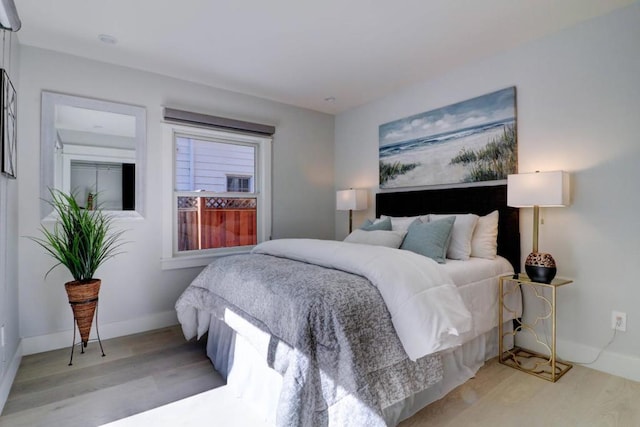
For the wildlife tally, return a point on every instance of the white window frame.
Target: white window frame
(171, 258)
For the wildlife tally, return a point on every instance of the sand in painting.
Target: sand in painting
(434, 161)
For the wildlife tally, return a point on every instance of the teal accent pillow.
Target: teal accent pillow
(430, 239)
(384, 225)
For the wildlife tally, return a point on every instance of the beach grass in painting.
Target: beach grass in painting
(493, 162)
(390, 171)
(471, 141)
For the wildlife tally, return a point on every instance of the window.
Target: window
(238, 184)
(219, 193)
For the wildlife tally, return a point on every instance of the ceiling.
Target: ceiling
(295, 51)
(94, 121)
(83, 126)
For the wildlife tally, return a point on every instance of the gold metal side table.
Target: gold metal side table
(543, 366)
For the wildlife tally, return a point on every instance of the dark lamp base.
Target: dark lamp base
(540, 267)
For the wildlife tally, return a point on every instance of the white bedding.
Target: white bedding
(426, 308)
(477, 281)
(476, 269)
(250, 379)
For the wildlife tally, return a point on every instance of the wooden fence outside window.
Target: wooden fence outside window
(216, 222)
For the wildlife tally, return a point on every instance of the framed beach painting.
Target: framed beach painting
(471, 141)
(8, 125)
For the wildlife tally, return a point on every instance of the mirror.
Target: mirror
(96, 149)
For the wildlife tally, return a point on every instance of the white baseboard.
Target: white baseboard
(38, 344)
(9, 376)
(621, 365)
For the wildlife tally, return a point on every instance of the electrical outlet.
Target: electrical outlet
(619, 320)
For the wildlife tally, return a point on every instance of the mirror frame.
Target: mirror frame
(47, 146)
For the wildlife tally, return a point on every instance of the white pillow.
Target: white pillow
(390, 239)
(484, 243)
(460, 245)
(402, 223)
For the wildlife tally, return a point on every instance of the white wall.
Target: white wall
(136, 294)
(10, 353)
(578, 100)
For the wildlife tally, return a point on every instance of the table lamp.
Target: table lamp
(9, 19)
(351, 200)
(538, 189)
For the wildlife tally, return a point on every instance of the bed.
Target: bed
(331, 349)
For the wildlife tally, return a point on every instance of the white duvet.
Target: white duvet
(426, 308)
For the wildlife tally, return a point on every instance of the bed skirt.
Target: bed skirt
(250, 379)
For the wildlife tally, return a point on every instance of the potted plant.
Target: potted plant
(82, 241)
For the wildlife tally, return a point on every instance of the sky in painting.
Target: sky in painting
(490, 108)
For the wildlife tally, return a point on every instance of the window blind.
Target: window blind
(180, 116)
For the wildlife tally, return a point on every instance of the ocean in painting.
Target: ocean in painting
(471, 141)
(417, 143)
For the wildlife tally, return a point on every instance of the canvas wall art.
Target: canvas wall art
(471, 141)
(8, 126)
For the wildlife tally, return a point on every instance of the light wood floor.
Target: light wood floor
(502, 396)
(139, 372)
(147, 370)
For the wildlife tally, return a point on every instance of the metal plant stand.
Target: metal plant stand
(84, 344)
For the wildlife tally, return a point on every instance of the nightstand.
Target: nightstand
(543, 366)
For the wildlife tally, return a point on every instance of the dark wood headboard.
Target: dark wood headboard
(477, 200)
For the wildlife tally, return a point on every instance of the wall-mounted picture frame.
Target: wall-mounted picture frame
(8, 136)
(468, 142)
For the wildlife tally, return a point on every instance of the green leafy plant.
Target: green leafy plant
(81, 239)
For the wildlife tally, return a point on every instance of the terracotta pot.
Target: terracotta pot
(83, 298)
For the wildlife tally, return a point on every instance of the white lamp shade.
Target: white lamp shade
(538, 189)
(355, 200)
(9, 19)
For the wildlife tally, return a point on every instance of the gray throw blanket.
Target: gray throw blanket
(332, 337)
